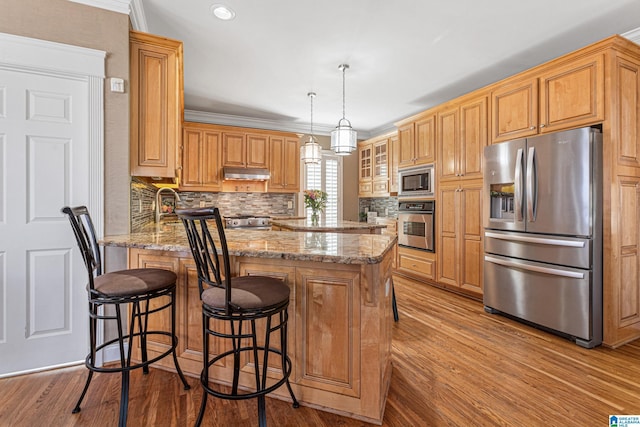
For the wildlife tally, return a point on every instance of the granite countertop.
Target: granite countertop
(324, 226)
(317, 247)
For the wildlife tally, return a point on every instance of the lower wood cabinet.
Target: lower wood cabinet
(460, 236)
(336, 365)
(416, 263)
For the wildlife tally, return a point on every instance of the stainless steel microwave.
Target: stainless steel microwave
(416, 181)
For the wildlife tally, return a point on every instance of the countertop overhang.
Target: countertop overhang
(302, 246)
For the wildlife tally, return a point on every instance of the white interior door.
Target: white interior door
(51, 142)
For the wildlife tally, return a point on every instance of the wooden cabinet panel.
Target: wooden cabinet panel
(156, 104)
(515, 110)
(623, 302)
(462, 136)
(416, 142)
(425, 140)
(460, 239)
(572, 95)
(200, 158)
(626, 121)
(257, 151)
(474, 136)
(284, 164)
(374, 167)
(329, 303)
(448, 143)
(416, 263)
(234, 149)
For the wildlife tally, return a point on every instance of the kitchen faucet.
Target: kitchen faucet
(160, 190)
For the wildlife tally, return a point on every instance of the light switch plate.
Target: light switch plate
(117, 84)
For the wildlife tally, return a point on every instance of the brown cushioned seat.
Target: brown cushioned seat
(134, 282)
(249, 292)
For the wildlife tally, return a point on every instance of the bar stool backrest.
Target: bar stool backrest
(211, 271)
(85, 233)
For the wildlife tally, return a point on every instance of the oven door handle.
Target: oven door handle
(537, 269)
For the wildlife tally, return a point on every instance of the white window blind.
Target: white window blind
(325, 176)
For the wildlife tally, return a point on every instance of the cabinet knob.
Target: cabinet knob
(542, 125)
(532, 128)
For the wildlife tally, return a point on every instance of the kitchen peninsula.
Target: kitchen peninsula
(340, 315)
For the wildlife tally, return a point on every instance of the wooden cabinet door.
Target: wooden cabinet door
(448, 143)
(471, 239)
(234, 149)
(200, 159)
(425, 140)
(626, 127)
(405, 145)
(284, 164)
(365, 177)
(572, 95)
(155, 104)
(257, 151)
(473, 137)
(448, 211)
(191, 148)
(380, 160)
(515, 110)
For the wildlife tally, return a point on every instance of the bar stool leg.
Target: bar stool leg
(284, 318)
(204, 376)
(174, 342)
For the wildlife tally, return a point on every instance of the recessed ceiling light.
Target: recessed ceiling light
(221, 11)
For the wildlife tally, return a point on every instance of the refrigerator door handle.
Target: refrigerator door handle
(518, 185)
(542, 241)
(538, 269)
(532, 191)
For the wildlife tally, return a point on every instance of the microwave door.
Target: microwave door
(504, 186)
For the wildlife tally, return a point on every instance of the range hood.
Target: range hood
(246, 174)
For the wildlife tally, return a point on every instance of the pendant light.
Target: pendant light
(311, 152)
(343, 138)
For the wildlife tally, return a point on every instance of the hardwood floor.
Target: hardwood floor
(453, 365)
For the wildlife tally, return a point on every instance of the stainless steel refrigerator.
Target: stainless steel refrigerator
(543, 232)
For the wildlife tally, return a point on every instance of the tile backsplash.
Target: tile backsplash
(272, 204)
(384, 206)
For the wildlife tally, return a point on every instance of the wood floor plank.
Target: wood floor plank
(453, 365)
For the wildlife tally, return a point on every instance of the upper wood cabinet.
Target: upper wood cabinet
(284, 164)
(246, 150)
(561, 97)
(156, 104)
(201, 148)
(374, 166)
(416, 141)
(462, 136)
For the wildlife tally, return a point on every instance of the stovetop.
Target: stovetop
(247, 221)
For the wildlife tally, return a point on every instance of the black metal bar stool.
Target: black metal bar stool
(134, 287)
(239, 302)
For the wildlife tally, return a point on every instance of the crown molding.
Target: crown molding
(250, 122)
(137, 16)
(120, 6)
(633, 35)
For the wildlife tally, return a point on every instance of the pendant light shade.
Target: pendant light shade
(311, 152)
(344, 139)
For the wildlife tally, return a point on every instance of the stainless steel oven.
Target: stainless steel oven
(416, 224)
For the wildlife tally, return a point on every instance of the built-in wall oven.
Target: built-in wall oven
(416, 224)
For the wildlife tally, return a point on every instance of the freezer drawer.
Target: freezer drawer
(554, 297)
(569, 251)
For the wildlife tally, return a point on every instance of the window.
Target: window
(325, 176)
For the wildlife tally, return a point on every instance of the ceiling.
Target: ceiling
(404, 55)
